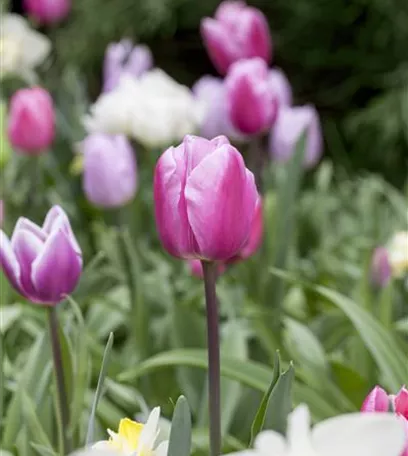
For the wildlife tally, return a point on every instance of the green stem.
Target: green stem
(210, 276)
(59, 378)
(257, 151)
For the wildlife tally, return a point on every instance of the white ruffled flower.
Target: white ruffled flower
(398, 253)
(356, 434)
(21, 48)
(135, 439)
(153, 109)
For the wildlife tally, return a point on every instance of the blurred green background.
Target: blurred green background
(348, 58)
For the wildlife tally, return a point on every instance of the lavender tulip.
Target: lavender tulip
(205, 199)
(251, 101)
(110, 170)
(43, 264)
(237, 32)
(381, 270)
(281, 87)
(288, 128)
(124, 58)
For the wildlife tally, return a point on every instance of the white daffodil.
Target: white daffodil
(21, 48)
(153, 109)
(135, 439)
(356, 434)
(398, 253)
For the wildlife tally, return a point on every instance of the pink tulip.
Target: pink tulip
(251, 100)
(291, 123)
(381, 270)
(237, 32)
(401, 402)
(31, 124)
(376, 401)
(124, 58)
(110, 170)
(196, 268)
(43, 264)
(205, 199)
(281, 87)
(47, 11)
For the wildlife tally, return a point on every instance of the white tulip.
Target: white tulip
(356, 434)
(21, 48)
(398, 253)
(153, 109)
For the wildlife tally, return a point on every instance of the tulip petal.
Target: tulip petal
(149, 432)
(360, 434)
(57, 269)
(27, 246)
(401, 403)
(258, 38)
(270, 442)
(376, 401)
(220, 203)
(56, 217)
(9, 263)
(26, 224)
(162, 449)
(170, 206)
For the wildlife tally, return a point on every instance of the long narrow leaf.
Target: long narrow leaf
(180, 434)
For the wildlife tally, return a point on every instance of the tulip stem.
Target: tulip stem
(63, 407)
(210, 276)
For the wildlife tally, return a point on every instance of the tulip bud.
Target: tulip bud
(196, 268)
(401, 402)
(237, 32)
(122, 58)
(251, 101)
(31, 125)
(281, 87)
(380, 267)
(110, 170)
(43, 264)
(291, 123)
(47, 11)
(205, 199)
(376, 401)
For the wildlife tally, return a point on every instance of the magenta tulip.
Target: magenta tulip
(124, 58)
(43, 264)
(31, 123)
(205, 199)
(291, 123)
(251, 101)
(281, 87)
(110, 170)
(237, 32)
(47, 11)
(376, 401)
(381, 270)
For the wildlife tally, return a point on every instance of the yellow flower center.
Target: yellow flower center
(127, 438)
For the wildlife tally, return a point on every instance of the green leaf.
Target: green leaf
(42, 450)
(280, 402)
(180, 434)
(99, 387)
(8, 315)
(259, 420)
(249, 373)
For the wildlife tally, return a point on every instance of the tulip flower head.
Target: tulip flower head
(43, 264)
(251, 100)
(135, 439)
(31, 124)
(47, 11)
(110, 171)
(381, 271)
(237, 32)
(353, 434)
(124, 58)
(291, 123)
(205, 199)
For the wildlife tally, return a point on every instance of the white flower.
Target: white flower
(356, 434)
(153, 109)
(135, 439)
(398, 253)
(21, 48)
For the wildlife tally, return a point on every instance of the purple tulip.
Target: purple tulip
(281, 87)
(210, 91)
(381, 270)
(237, 32)
(47, 11)
(252, 103)
(31, 123)
(205, 199)
(43, 264)
(110, 170)
(124, 58)
(289, 126)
